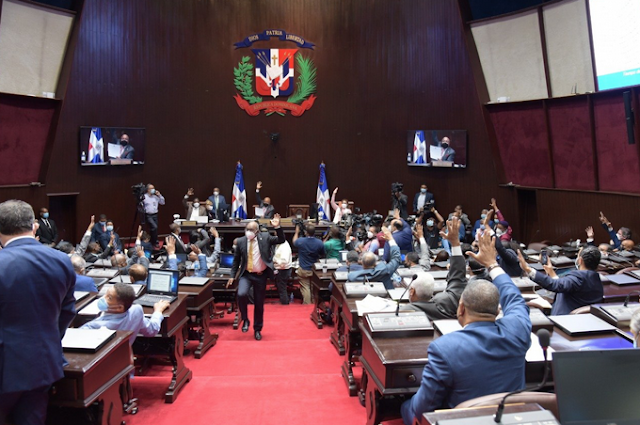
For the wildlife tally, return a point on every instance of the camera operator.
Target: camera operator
(334, 243)
(152, 198)
(399, 200)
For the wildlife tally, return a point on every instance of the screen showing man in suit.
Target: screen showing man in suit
(437, 148)
(111, 146)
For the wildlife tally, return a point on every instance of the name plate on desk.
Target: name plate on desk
(341, 276)
(192, 223)
(329, 265)
(105, 273)
(523, 282)
(405, 324)
(362, 289)
(616, 314)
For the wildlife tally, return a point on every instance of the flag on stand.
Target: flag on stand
(322, 195)
(419, 148)
(239, 195)
(96, 146)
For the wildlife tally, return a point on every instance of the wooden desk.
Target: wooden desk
(320, 289)
(168, 344)
(92, 383)
(200, 307)
(617, 294)
(432, 418)
(228, 295)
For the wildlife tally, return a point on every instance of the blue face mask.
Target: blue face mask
(109, 228)
(45, 215)
(496, 220)
(483, 216)
(430, 223)
(102, 304)
(423, 190)
(153, 191)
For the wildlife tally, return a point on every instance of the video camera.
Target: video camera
(299, 223)
(396, 187)
(138, 190)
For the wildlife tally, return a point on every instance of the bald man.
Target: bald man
(265, 204)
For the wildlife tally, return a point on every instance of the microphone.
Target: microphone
(626, 300)
(365, 279)
(544, 337)
(414, 277)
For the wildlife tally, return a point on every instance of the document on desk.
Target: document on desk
(373, 304)
(90, 340)
(537, 301)
(91, 309)
(534, 354)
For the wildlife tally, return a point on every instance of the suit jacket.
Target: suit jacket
(404, 239)
(265, 243)
(222, 205)
(128, 152)
(445, 304)
(508, 260)
(106, 237)
(97, 232)
(85, 283)
(382, 272)
(400, 204)
(575, 289)
(48, 235)
(449, 154)
(428, 198)
(188, 206)
(36, 307)
(268, 211)
(483, 358)
(181, 247)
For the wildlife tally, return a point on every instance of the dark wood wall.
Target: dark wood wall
(383, 68)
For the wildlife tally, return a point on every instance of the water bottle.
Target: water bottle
(83, 157)
(324, 268)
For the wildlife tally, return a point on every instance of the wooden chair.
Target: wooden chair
(294, 209)
(585, 309)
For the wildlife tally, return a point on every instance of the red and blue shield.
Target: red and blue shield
(274, 71)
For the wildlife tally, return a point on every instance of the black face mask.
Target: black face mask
(123, 142)
(445, 145)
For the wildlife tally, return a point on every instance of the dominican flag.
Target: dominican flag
(239, 195)
(322, 195)
(96, 146)
(419, 148)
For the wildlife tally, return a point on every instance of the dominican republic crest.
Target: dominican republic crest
(284, 79)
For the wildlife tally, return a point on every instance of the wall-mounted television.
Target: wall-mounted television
(111, 146)
(437, 148)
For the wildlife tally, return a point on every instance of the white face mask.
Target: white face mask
(499, 232)
(216, 193)
(429, 223)
(370, 235)
(344, 205)
(249, 234)
(196, 205)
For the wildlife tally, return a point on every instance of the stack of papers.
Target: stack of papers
(373, 304)
(86, 339)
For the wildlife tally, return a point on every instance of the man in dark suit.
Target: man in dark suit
(36, 307)
(218, 203)
(422, 199)
(448, 153)
(126, 150)
(181, 247)
(445, 304)
(48, 231)
(487, 356)
(111, 238)
(252, 265)
(575, 289)
(99, 228)
(265, 204)
(381, 272)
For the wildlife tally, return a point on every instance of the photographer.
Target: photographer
(333, 243)
(399, 200)
(152, 198)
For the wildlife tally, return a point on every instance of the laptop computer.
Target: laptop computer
(597, 387)
(623, 279)
(194, 280)
(581, 324)
(161, 285)
(225, 264)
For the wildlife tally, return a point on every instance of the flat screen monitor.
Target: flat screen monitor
(597, 387)
(163, 281)
(616, 37)
(437, 148)
(226, 260)
(106, 146)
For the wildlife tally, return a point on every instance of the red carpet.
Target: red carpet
(291, 376)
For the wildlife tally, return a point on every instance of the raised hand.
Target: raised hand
(487, 250)
(275, 221)
(387, 233)
(139, 251)
(335, 190)
(548, 268)
(195, 249)
(589, 231)
(488, 219)
(604, 220)
(523, 263)
(139, 231)
(419, 231)
(92, 223)
(259, 185)
(170, 245)
(190, 192)
(214, 232)
(453, 231)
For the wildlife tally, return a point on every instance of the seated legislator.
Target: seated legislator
(120, 261)
(445, 304)
(575, 289)
(99, 229)
(198, 259)
(110, 237)
(487, 356)
(83, 283)
(402, 235)
(267, 208)
(120, 314)
(138, 274)
(181, 247)
(383, 271)
(193, 209)
(94, 252)
(352, 263)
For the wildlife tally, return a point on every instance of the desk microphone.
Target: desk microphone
(544, 337)
(414, 277)
(365, 279)
(626, 300)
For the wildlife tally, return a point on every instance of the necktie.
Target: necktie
(250, 257)
(216, 202)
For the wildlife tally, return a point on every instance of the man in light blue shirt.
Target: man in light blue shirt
(151, 200)
(119, 313)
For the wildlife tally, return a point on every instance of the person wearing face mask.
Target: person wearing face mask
(152, 198)
(616, 237)
(448, 153)
(334, 243)
(268, 210)
(422, 199)
(480, 222)
(99, 228)
(502, 228)
(252, 266)
(372, 242)
(193, 209)
(126, 150)
(106, 238)
(120, 314)
(634, 324)
(47, 233)
(36, 307)
(218, 204)
(497, 346)
(431, 229)
(575, 289)
(341, 209)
